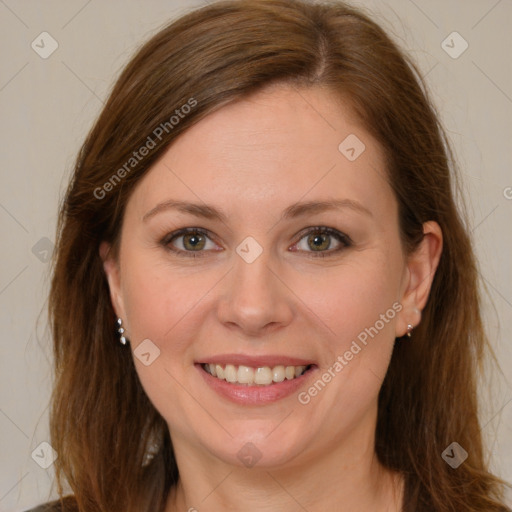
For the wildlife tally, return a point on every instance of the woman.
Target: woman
(264, 297)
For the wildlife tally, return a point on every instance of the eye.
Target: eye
(195, 242)
(189, 240)
(319, 240)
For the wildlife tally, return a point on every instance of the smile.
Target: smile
(254, 376)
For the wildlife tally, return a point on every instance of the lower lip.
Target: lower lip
(255, 395)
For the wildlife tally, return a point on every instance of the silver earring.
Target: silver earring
(150, 453)
(120, 330)
(153, 446)
(409, 330)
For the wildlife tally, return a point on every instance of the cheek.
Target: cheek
(159, 297)
(161, 305)
(351, 298)
(357, 307)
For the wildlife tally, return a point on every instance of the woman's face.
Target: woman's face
(292, 259)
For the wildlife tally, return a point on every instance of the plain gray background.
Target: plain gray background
(48, 104)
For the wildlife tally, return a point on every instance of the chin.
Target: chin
(255, 446)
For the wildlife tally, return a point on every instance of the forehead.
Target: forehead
(272, 148)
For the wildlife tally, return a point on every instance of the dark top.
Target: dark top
(54, 506)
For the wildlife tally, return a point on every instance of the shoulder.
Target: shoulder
(53, 506)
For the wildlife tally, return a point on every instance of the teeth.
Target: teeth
(245, 375)
(230, 373)
(262, 376)
(278, 374)
(299, 370)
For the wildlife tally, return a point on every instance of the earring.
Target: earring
(153, 446)
(150, 453)
(120, 330)
(409, 330)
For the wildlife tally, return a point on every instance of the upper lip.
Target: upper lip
(255, 361)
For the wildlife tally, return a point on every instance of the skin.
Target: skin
(252, 159)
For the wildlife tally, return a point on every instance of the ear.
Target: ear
(112, 271)
(421, 268)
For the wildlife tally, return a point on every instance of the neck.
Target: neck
(346, 478)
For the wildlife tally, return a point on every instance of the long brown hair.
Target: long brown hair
(101, 419)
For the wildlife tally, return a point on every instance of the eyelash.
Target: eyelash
(321, 230)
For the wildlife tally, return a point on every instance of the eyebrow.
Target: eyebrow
(293, 211)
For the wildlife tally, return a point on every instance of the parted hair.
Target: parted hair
(101, 419)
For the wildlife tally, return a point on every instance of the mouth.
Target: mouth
(255, 380)
(255, 376)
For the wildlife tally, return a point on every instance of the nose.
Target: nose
(254, 299)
